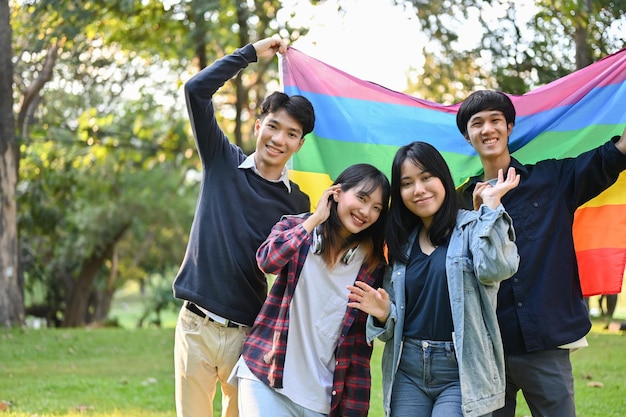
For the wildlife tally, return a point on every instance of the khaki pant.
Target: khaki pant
(205, 352)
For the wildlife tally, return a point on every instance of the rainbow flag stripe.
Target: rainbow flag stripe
(361, 121)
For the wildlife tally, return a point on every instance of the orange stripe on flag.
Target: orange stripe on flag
(600, 227)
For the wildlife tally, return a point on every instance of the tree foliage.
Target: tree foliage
(512, 54)
(107, 186)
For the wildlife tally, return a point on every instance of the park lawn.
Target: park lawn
(115, 372)
(96, 372)
(600, 374)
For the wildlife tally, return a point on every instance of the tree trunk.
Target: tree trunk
(76, 308)
(241, 93)
(11, 296)
(581, 36)
(78, 302)
(31, 97)
(104, 297)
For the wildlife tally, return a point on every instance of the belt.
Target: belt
(194, 309)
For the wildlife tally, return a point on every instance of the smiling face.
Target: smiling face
(488, 132)
(358, 210)
(279, 136)
(422, 193)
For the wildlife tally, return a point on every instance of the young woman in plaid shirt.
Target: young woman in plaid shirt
(306, 354)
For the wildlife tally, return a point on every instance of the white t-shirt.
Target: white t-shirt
(316, 317)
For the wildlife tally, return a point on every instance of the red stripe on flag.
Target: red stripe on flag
(601, 270)
(600, 240)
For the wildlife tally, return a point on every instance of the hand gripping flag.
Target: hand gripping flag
(359, 121)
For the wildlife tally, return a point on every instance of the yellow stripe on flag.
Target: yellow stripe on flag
(311, 183)
(612, 195)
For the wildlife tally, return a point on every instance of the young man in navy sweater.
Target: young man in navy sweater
(241, 198)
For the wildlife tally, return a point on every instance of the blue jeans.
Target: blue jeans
(427, 381)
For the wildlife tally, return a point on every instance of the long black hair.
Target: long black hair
(401, 220)
(371, 240)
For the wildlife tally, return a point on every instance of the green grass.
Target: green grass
(602, 363)
(99, 372)
(115, 372)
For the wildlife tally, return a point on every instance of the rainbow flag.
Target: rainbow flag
(359, 121)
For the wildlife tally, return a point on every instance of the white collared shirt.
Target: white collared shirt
(250, 163)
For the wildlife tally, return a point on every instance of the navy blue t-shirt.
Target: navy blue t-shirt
(428, 311)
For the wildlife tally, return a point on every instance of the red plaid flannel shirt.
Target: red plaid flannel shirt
(284, 253)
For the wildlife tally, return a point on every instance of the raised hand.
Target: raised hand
(488, 194)
(268, 47)
(322, 211)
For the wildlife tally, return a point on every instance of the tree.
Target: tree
(11, 298)
(452, 67)
(221, 26)
(88, 153)
(591, 28)
(105, 193)
(513, 55)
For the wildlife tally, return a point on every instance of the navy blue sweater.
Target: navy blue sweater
(235, 212)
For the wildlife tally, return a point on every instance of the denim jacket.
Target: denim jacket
(481, 253)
